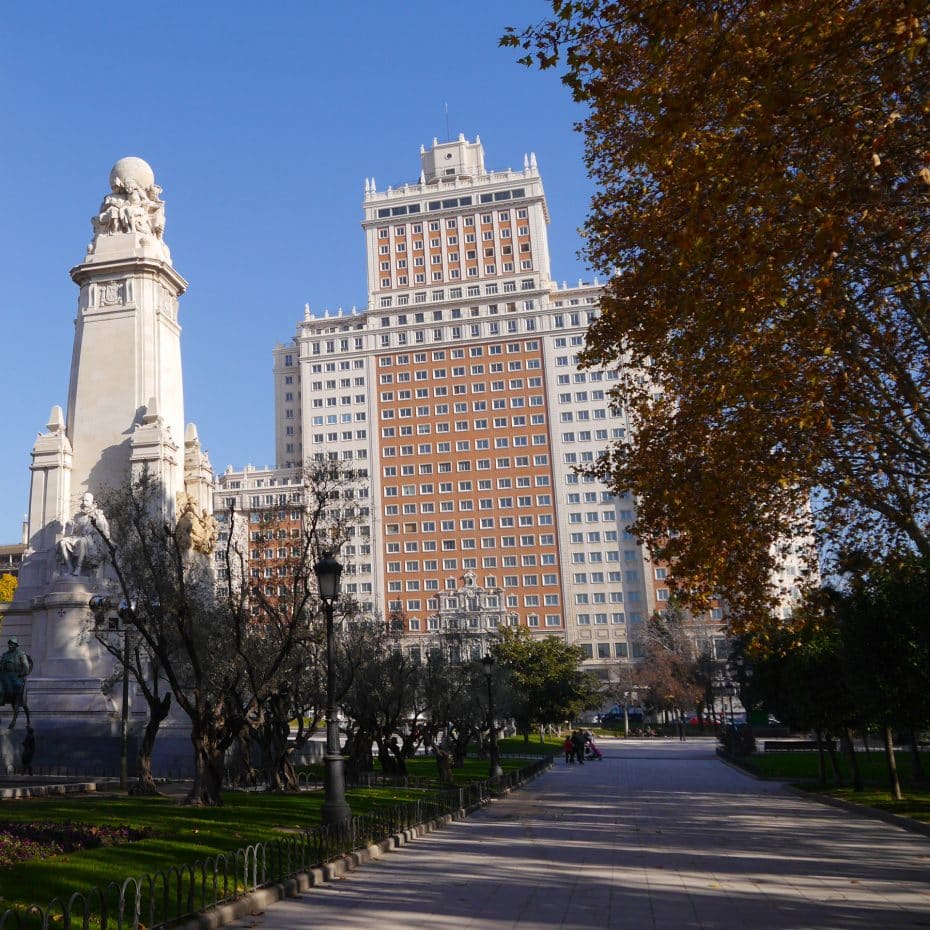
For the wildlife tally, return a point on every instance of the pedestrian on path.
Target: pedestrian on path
(568, 747)
(578, 743)
(681, 727)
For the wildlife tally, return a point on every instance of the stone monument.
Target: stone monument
(125, 412)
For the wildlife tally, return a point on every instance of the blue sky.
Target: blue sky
(261, 123)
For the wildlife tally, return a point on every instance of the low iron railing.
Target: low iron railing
(162, 898)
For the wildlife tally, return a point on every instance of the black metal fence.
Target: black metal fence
(159, 899)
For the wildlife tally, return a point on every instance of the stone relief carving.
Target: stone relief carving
(197, 528)
(81, 548)
(111, 292)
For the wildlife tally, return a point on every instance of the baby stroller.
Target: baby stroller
(591, 752)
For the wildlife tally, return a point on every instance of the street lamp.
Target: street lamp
(335, 809)
(730, 689)
(494, 766)
(100, 605)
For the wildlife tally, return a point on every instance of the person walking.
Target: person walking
(568, 747)
(578, 743)
(681, 727)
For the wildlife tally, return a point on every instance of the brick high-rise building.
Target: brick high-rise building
(457, 394)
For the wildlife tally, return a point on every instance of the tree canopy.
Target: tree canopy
(545, 674)
(763, 176)
(7, 587)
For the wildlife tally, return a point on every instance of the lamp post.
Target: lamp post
(335, 809)
(494, 766)
(100, 605)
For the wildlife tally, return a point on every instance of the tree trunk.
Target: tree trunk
(919, 776)
(158, 710)
(834, 761)
(822, 764)
(279, 768)
(853, 761)
(892, 765)
(208, 773)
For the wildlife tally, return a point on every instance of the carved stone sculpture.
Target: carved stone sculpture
(134, 204)
(82, 548)
(198, 529)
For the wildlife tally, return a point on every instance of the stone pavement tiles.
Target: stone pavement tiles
(657, 835)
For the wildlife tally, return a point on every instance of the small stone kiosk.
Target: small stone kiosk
(125, 411)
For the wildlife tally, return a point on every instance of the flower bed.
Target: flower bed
(20, 842)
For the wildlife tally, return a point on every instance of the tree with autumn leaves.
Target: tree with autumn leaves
(763, 185)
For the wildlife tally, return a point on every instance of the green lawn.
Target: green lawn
(550, 746)
(792, 766)
(916, 803)
(801, 767)
(180, 834)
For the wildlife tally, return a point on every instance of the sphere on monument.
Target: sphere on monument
(132, 169)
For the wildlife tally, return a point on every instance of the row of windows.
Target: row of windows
(455, 293)
(474, 290)
(450, 274)
(600, 619)
(592, 516)
(413, 623)
(500, 442)
(594, 557)
(477, 387)
(592, 497)
(344, 436)
(487, 542)
(478, 406)
(439, 355)
(600, 597)
(519, 461)
(509, 581)
(582, 416)
(545, 539)
(417, 243)
(479, 424)
(620, 650)
(614, 577)
(451, 203)
(484, 484)
(526, 560)
(447, 526)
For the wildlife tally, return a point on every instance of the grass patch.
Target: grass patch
(916, 803)
(179, 834)
(800, 766)
(802, 769)
(549, 746)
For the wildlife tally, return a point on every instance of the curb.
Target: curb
(41, 791)
(255, 902)
(873, 813)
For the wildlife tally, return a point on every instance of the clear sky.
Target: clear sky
(261, 122)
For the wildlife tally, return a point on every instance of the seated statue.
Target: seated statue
(82, 546)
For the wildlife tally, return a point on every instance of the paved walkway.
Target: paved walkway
(658, 835)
